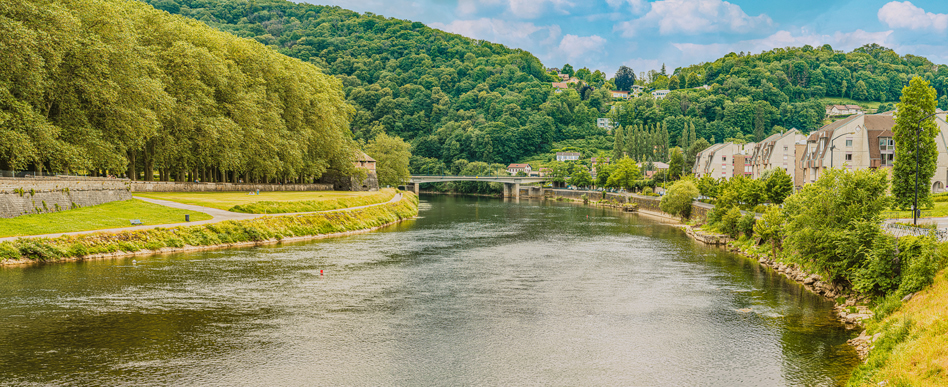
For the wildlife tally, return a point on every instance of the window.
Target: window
(887, 159)
(849, 157)
(849, 142)
(723, 158)
(886, 144)
(784, 149)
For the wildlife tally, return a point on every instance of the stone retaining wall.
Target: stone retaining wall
(40, 195)
(167, 186)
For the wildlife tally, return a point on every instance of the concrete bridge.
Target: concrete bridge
(511, 183)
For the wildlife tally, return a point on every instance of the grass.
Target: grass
(251, 230)
(913, 348)
(277, 207)
(940, 210)
(108, 215)
(228, 200)
(849, 101)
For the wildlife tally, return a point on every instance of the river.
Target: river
(476, 291)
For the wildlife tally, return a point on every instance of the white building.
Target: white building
(568, 156)
(513, 169)
(660, 94)
(604, 123)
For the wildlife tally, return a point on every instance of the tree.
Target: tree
(860, 91)
(753, 193)
(693, 150)
(618, 147)
(676, 164)
(779, 186)
(391, 155)
(624, 78)
(567, 69)
(677, 201)
(624, 175)
(918, 101)
(708, 186)
(673, 83)
(581, 178)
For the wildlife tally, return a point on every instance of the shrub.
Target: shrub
(920, 263)
(729, 222)
(746, 224)
(38, 250)
(677, 201)
(7, 251)
(647, 191)
(714, 215)
(879, 274)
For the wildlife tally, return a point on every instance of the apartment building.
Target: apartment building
(864, 141)
(724, 160)
(777, 151)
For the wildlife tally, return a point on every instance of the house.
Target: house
(604, 123)
(843, 110)
(620, 94)
(544, 172)
(777, 151)
(660, 94)
(724, 160)
(345, 182)
(560, 85)
(513, 169)
(575, 80)
(568, 156)
(706, 87)
(563, 77)
(656, 165)
(597, 160)
(636, 89)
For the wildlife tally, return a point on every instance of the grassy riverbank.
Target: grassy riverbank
(275, 202)
(215, 234)
(108, 215)
(911, 348)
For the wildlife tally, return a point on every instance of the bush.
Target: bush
(647, 191)
(677, 201)
(879, 274)
(729, 222)
(746, 224)
(920, 263)
(7, 251)
(38, 250)
(714, 216)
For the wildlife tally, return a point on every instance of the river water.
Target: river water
(476, 291)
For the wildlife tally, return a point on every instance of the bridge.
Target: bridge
(511, 183)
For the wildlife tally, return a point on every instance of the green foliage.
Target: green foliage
(392, 156)
(832, 222)
(708, 186)
(779, 185)
(753, 193)
(918, 101)
(121, 86)
(581, 178)
(879, 274)
(770, 227)
(893, 334)
(746, 224)
(675, 164)
(677, 201)
(729, 222)
(275, 207)
(920, 262)
(624, 175)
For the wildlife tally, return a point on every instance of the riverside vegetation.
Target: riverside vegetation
(228, 232)
(108, 215)
(276, 202)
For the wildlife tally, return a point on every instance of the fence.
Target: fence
(901, 230)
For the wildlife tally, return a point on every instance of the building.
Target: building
(656, 165)
(843, 110)
(776, 151)
(568, 156)
(604, 123)
(864, 141)
(619, 94)
(560, 85)
(723, 160)
(636, 89)
(660, 94)
(343, 182)
(563, 77)
(575, 80)
(544, 171)
(513, 169)
(706, 87)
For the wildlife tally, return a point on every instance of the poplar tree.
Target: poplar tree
(918, 102)
(618, 146)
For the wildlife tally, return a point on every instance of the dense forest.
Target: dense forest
(460, 99)
(109, 87)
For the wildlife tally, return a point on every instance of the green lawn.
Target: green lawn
(940, 210)
(849, 101)
(227, 200)
(109, 215)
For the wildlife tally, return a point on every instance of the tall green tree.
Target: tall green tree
(625, 78)
(779, 186)
(914, 136)
(618, 147)
(676, 164)
(581, 178)
(624, 175)
(392, 156)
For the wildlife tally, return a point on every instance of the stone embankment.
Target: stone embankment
(24, 196)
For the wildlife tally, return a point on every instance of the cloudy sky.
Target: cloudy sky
(642, 34)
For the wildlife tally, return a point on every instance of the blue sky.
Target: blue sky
(642, 34)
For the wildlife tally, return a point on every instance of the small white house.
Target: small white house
(660, 94)
(568, 156)
(513, 169)
(604, 123)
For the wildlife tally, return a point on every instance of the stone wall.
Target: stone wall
(23, 196)
(167, 186)
(650, 203)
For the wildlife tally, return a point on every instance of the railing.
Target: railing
(901, 230)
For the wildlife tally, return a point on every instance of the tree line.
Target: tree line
(117, 87)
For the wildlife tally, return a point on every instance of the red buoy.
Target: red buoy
(320, 272)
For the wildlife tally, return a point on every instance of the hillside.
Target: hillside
(458, 98)
(113, 86)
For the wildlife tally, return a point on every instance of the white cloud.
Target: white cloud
(517, 34)
(694, 17)
(640, 65)
(637, 5)
(524, 9)
(839, 41)
(907, 15)
(573, 46)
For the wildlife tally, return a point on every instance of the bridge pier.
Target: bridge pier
(512, 190)
(416, 185)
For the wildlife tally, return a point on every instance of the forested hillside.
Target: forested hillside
(452, 97)
(108, 86)
(456, 98)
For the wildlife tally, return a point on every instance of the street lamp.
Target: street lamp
(918, 133)
(833, 146)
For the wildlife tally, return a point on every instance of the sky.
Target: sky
(641, 34)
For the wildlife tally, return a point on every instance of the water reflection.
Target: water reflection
(475, 291)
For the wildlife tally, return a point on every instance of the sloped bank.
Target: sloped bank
(234, 233)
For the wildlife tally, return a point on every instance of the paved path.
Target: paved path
(218, 216)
